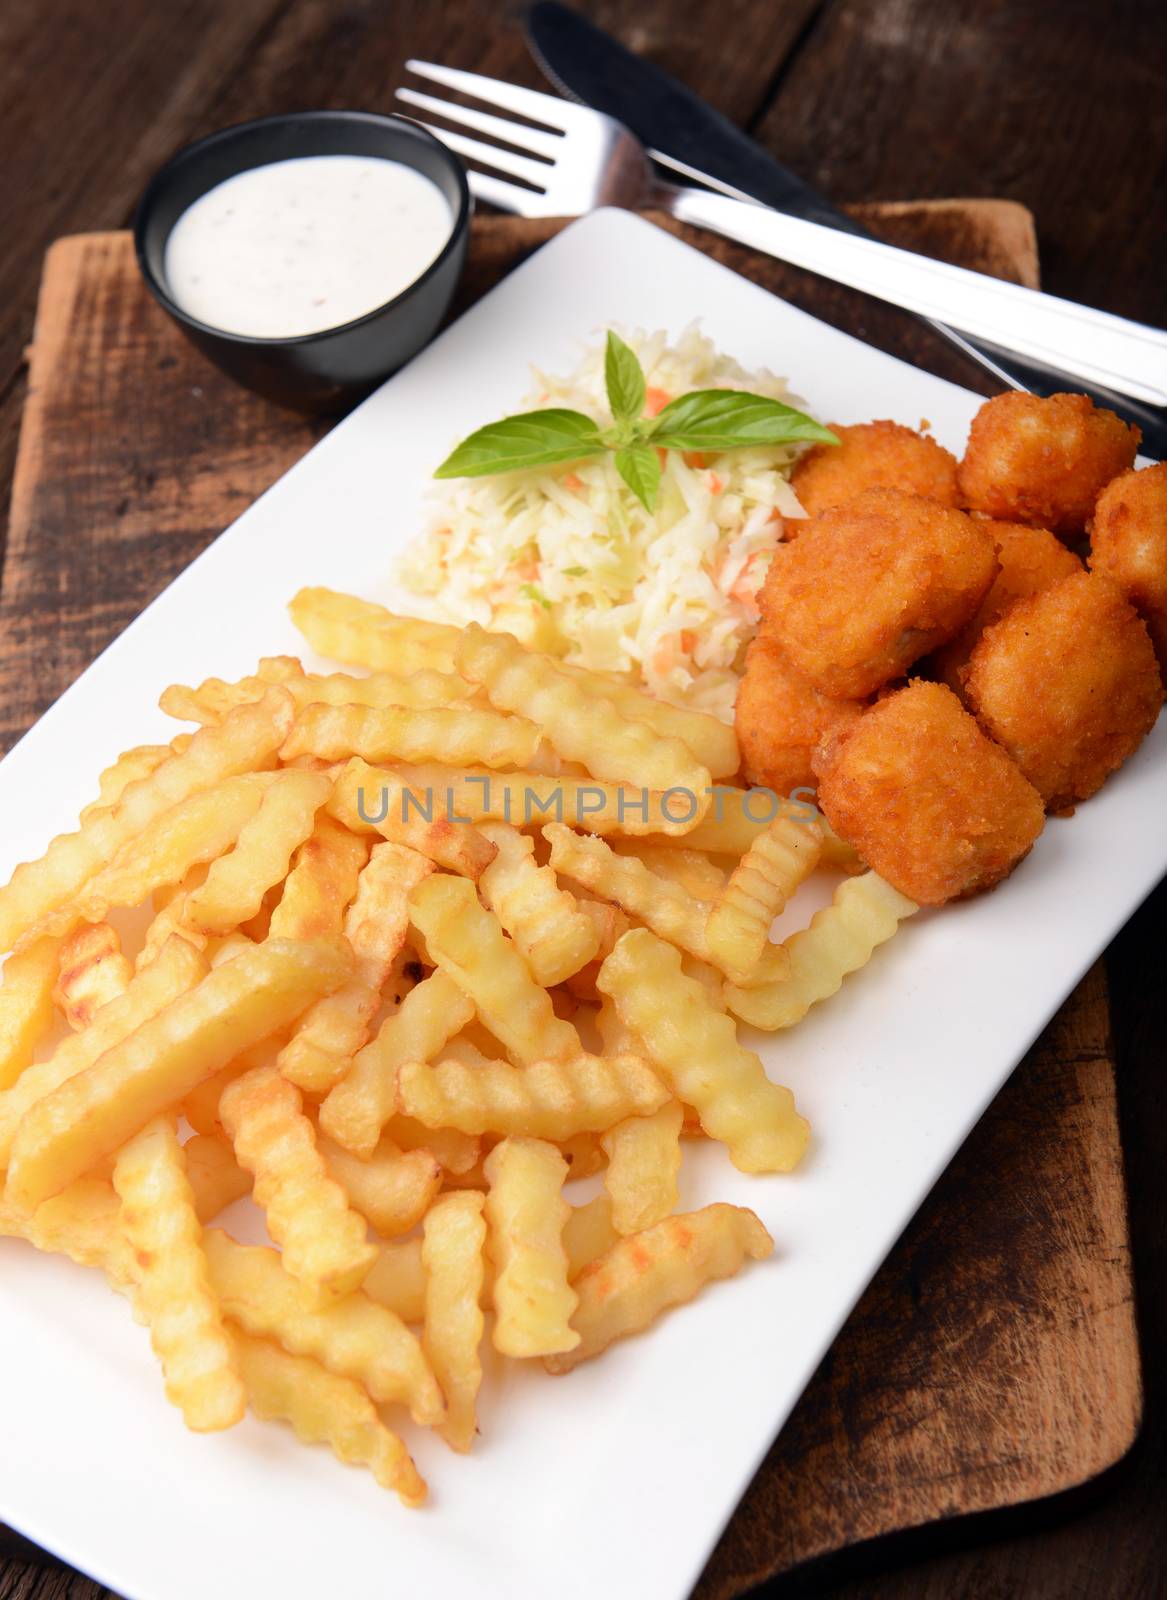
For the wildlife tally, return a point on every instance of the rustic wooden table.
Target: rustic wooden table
(1056, 103)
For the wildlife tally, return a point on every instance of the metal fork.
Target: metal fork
(580, 159)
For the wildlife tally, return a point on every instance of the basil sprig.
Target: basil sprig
(707, 419)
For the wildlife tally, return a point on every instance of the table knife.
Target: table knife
(688, 136)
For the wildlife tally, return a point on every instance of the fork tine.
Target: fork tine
(516, 133)
(490, 155)
(506, 196)
(545, 108)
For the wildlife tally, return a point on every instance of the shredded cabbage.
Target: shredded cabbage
(569, 559)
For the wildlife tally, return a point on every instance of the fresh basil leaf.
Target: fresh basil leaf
(531, 439)
(639, 466)
(624, 378)
(728, 419)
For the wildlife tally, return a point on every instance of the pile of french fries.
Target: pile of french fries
(417, 943)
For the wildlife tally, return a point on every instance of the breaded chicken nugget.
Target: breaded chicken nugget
(1068, 684)
(1043, 461)
(873, 455)
(1128, 541)
(870, 586)
(1031, 559)
(781, 720)
(928, 801)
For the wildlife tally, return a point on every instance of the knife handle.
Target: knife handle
(1096, 347)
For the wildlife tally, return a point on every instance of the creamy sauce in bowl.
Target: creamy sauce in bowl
(295, 247)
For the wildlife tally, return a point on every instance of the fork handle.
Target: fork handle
(1093, 346)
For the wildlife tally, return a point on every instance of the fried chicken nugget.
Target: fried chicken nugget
(1043, 461)
(869, 587)
(1128, 541)
(1031, 559)
(1068, 684)
(781, 720)
(873, 455)
(930, 803)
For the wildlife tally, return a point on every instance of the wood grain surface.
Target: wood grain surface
(1060, 107)
(993, 1361)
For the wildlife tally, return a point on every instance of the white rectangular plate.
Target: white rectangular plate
(616, 1480)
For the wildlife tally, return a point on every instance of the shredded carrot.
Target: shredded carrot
(696, 459)
(716, 485)
(573, 482)
(655, 400)
(662, 455)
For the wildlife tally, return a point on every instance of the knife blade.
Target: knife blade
(676, 125)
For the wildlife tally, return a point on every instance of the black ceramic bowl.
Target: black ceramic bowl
(329, 370)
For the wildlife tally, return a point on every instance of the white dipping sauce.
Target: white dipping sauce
(297, 246)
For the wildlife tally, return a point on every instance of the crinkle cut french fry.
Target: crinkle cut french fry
(83, 1222)
(130, 767)
(246, 740)
(355, 1338)
(528, 799)
(215, 1177)
(371, 800)
(329, 1035)
(421, 690)
(190, 1039)
(525, 1216)
(92, 972)
(323, 1239)
(466, 940)
(555, 937)
(546, 1100)
(174, 1293)
(190, 835)
(841, 938)
(178, 967)
(581, 725)
(26, 1006)
(331, 1032)
(396, 1279)
(774, 866)
(712, 742)
(695, 1048)
(362, 1103)
(647, 1273)
(664, 906)
(454, 734)
(644, 1158)
(377, 922)
(214, 698)
(587, 1233)
(392, 1190)
(236, 884)
(322, 882)
(453, 1241)
(362, 634)
(325, 1409)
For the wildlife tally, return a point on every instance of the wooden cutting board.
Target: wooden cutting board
(993, 1362)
